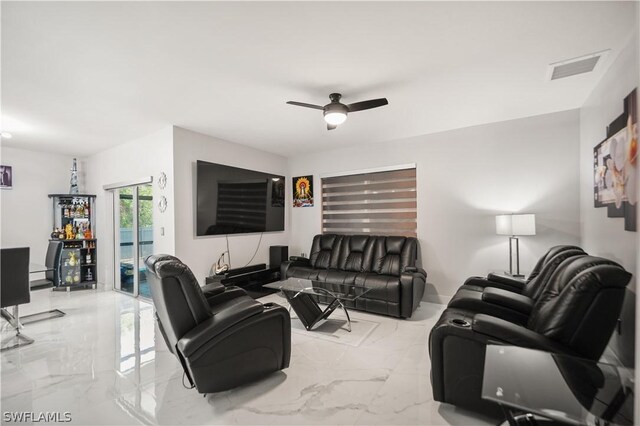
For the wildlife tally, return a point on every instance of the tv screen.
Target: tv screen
(236, 201)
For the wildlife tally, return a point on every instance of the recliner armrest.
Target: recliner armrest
(299, 259)
(485, 283)
(518, 283)
(514, 334)
(508, 299)
(213, 289)
(221, 321)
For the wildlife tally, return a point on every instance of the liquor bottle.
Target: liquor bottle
(87, 210)
(89, 276)
(88, 258)
(66, 210)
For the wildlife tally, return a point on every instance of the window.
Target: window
(377, 203)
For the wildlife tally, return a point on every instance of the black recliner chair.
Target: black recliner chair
(221, 343)
(514, 284)
(511, 305)
(575, 315)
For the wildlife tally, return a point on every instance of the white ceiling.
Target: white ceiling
(79, 77)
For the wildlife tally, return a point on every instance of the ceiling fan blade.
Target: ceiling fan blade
(302, 104)
(331, 126)
(373, 103)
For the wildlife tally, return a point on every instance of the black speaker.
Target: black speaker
(277, 255)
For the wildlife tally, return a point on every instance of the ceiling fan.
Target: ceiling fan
(335, 113)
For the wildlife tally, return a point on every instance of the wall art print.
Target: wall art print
(615, 163)
(303, 191)
(6, 177)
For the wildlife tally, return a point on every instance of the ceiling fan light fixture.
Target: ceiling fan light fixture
(335, 117)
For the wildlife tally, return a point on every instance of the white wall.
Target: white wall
(601, 235)
(143, 157)
(465, 177)
(26, 211)
(201, 252)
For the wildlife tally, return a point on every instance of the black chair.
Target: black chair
(514, 284)
(575, 315)
(508, 304)
(52, 262)
(14, 290)
(233, 342)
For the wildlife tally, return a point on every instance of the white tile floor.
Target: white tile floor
(106, 363)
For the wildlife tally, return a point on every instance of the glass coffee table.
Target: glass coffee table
(299, 293)
(562, 388)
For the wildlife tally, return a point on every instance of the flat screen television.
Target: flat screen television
(231, 200)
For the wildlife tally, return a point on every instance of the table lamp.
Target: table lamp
(515, 225)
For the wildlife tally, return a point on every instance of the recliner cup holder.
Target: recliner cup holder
(460, 322)
(269, 305)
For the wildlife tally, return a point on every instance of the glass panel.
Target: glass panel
(145, 235)
(124, 239)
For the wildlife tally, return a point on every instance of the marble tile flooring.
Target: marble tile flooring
(106, 363)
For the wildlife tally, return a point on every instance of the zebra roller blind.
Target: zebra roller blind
(380, 203)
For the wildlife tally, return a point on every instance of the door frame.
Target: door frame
(113, 189)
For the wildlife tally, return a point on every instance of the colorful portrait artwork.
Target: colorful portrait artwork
(303, 191)
(615, 165)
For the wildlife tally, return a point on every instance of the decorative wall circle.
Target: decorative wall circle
(162, 204)
(162, 180)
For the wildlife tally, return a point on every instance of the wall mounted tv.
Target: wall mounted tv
(236, 201)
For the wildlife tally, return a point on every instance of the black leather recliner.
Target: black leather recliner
(387, 264)
(221, 342)
(575, 315)
(511, 305)
(514, 284)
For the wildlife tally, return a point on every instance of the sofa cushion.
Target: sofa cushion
(393, 254)
(334, 276)
(383, 287)
(325, 251)
(356, 253)
(304, 272)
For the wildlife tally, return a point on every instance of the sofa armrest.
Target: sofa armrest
(508, 299)
(412, 284)
(513, 334)
(207, 330)
(293, 261)
(415, 270)
(515, 286)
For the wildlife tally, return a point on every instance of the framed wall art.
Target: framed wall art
(615, 165)
(303, 191)
(6, 177)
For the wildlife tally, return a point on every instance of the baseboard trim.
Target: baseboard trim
(437, 298)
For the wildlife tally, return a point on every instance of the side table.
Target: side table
(560, 388)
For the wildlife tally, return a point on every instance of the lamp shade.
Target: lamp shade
(516, 224)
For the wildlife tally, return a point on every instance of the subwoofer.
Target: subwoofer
(277, 255)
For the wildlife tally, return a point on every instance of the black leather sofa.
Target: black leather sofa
(222, 337)
(515, 304)
(575, 315)
(386, 264)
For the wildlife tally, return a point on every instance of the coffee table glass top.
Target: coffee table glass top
(567, 389)
(349, 292)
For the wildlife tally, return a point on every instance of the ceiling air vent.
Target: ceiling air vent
(575, 66)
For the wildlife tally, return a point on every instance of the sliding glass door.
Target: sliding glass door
(133, 238)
